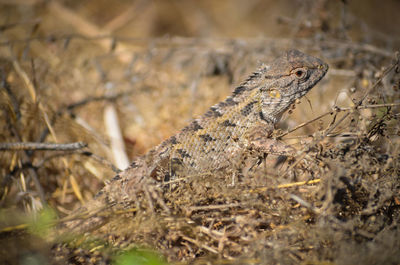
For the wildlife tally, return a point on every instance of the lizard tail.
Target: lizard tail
(120, 190)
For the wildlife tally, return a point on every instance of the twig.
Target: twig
(42, 146)
(201, 42)
(304, 203)
(359, 103)
(78, 104)
(85, 27)
(14, 228)
(331, 127)
(5, 27)
(200, 245)
(31, 88)
(89, 154)
(337, 109)
(286, 185)
(23, 75)
(215, 207)
(108, 97)
(115, 135)
(305, 123)
(132, 11)
(300, 183)
(101, 160)
(374, 106)
(13, 100)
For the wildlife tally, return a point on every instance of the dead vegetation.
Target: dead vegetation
(336, 202)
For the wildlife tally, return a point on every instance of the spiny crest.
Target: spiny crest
(255, 75)
(248, 84)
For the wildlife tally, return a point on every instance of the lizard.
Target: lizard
(244, 120)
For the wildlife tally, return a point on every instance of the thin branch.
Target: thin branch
(185, 42)
(304, 203)
(89, 154)
(215, 207)
(374, 106)
(336, 109)
(305, 123)
(41, 146)
(78, 104)
(101, 160)
(199, 244)
(13, 100)
(358, 104)
(108, 97)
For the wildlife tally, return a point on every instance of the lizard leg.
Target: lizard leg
(259, 139)
(272, 146)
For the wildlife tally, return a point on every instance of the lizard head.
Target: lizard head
(286, 79)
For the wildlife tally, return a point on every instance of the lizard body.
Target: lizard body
(217, 139)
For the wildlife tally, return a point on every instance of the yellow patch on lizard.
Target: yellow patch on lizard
(274, 94)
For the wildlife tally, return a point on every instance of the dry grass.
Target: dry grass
(337, 202)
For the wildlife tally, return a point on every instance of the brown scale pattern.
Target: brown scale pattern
(220, 137)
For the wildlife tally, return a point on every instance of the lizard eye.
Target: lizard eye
(300, 73)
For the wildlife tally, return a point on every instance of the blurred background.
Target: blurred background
(356, 20)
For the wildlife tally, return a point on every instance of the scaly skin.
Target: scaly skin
(216, 140)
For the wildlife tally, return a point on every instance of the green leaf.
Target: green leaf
(139, 257)
(43, 223)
